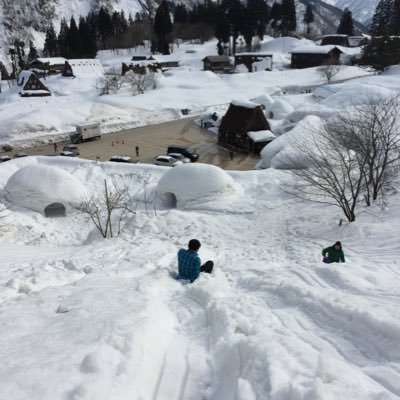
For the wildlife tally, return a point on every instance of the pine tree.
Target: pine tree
(62, 38)
(396, 18)
(73, 43)
(162, 28)
(89, 45)
(33, 54)
(381, 52)
(346, 26)
(250, 22)
(104, 26)
(288, 23)
(308, 17)
(383, 14)
(50, 44)
(222, 30)
(180, 14)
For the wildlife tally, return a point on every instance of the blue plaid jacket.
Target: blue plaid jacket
(188, 264)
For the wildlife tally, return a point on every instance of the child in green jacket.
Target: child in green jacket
(333, 253)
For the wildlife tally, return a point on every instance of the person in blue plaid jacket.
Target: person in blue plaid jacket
(189, 264)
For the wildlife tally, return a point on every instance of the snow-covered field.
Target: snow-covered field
(85, 318)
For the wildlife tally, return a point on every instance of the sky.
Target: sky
(90, 318)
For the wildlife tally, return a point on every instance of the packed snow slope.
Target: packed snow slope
(86, 318)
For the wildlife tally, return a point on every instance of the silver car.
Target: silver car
(166, 161)
(180, 157)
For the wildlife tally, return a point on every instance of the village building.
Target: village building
(336, 40)
(254, 61)
(82, 66)
(314, 56)
(31, 85)
(166, 61)
(218, 64)
(141, 68)
(240, 119)
(47, 66)
(357, 41)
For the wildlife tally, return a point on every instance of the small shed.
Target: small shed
(254, 61)
(166, 61)
(241, 118)
(315, 56)
(337, 40)
(31, 85)
(140, 67)
(259, 139)
(218, 64)
(54, 210)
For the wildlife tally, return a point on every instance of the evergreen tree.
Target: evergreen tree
(222, 30)
(288, 22)
(308, 17)
(33, 54)
(62, 38)
(383, 14)
(250, 22)
(162, 28)
(381, 52)
(180, 14)
(396, 18)
(50, 43)
(73, 43)
(89, 45)
(104, 26)
(346, 26)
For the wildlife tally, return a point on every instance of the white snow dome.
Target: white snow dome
(194, 183)
(37, 186)
(264, 100)
(279, 109)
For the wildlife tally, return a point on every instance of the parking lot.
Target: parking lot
(154, 140)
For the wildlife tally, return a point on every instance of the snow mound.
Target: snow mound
(282, 44)
(263, 100)
(194, 183)
(282, 152)
(279, 109)
(36, 186)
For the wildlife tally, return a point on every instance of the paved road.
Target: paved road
(154, 140)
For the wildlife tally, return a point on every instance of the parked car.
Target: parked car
(4, 158)
(72, 148)
(166, 161)
(124, 159)
(186, 151)
(180, 157)
(20, 154)
(68, 154)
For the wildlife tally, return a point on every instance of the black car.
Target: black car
(124, 159)
(186, 151)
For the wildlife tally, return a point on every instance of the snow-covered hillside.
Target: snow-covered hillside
(362, 10)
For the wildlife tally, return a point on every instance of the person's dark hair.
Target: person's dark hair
(194, 244)
(338, 244)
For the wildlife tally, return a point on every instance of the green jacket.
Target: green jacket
(333, 254)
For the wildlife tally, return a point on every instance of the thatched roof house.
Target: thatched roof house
(254, 61)
(241, 118)
(47, 65)
(82, 67)
(337, 40)
(31, 85)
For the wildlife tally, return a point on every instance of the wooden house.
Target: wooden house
(47, 66)
(241, 118)
(254, 61)
(218, 64)
(336, 40)
(82, 67)
(31, 85)
(314, 56)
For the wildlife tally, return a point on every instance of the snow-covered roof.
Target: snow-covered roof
(313, 49)
(245, 104)
(261, 136)
(23, 77)
(194, 183)
(280, 108)
(257, 54)
(282, 45)
(36, 186)
(51, 60)
(264, 99)
(86, 66)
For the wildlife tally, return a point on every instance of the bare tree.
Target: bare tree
(329, 69)
(140, 82)
(111, 83)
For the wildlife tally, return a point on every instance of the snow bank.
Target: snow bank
(194, 183)
(36, 186)
(282, 151)
(279, 109)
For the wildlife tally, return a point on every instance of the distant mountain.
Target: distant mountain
(28, 19)
(362, 10)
